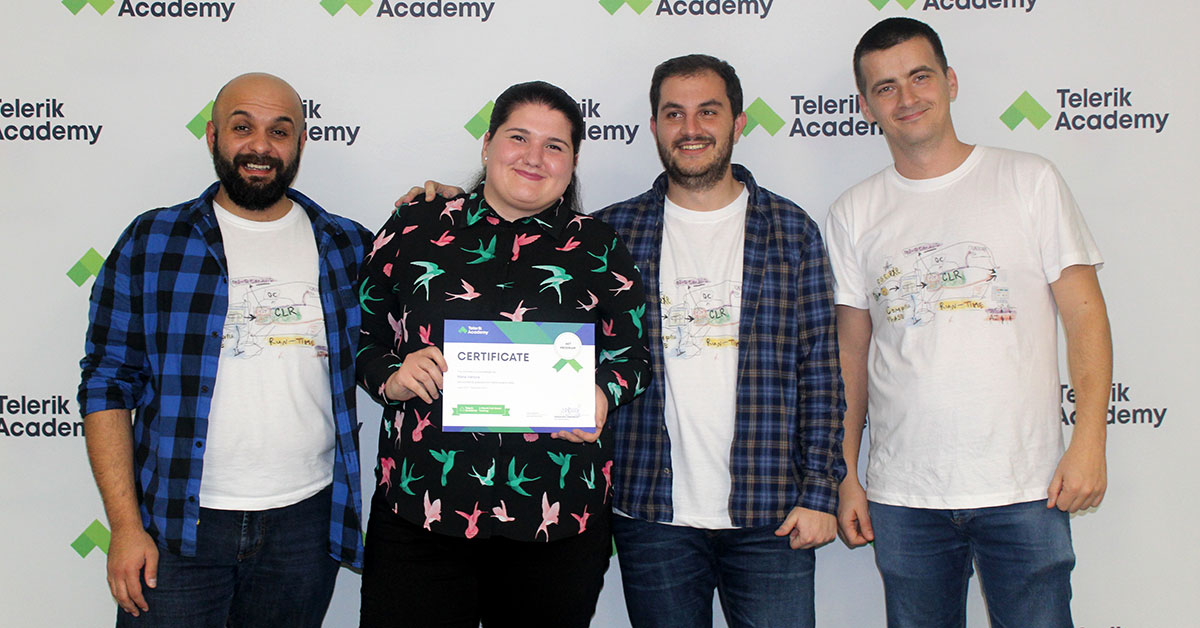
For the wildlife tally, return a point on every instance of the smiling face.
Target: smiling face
(908, 93)
(695, 129)
(256, 137)
(529, 161)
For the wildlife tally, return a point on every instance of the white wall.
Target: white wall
(409, 84)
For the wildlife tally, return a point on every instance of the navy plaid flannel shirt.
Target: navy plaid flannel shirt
(788, 430)
(157, 314)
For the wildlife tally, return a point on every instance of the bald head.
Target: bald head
(256, 136)
(262, 90)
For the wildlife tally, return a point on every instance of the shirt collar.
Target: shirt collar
(740, 172)
(203, 207)
(552, 220)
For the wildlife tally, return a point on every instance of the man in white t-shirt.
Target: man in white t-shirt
(726, 470)
(952, 266)
(218, 387)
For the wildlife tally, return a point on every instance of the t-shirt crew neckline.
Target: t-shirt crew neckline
(282, 222)
(924, 185)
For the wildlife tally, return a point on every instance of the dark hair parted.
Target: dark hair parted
(552, 96)
(892, 32)
(691, 65)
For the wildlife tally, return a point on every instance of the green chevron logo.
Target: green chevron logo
(358, 6)
(613, 5)
(196, 126)
(96, 535)
(87, 267)
(761, 114)
(478, 125)
(1025, 107)
(879, 4)
(75, 6)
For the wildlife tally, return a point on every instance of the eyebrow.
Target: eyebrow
(243, 112)
(917, 70)
(712, 102)
(528, 132)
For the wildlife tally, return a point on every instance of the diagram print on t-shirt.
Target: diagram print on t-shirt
(935, 279)
(264, 313)
(700, 315)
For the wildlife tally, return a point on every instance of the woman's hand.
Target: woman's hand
(580, 436)
(420, 375)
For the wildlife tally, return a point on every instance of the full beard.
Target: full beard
(701, 179)
(250, 194)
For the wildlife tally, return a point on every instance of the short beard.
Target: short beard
(253, 196)
(696, 181)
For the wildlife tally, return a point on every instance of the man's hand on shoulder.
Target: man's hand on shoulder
(129, 553)
(431, 189)
(808, 528)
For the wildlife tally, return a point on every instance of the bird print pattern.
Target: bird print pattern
(458, 259)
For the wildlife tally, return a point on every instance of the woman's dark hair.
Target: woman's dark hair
(552, 96)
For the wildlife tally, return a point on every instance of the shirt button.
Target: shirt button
(199, 444)
(667, 471)
(204, 389)
(192, 498)
(215, 334)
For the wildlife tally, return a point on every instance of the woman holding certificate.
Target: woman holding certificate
(491, 504)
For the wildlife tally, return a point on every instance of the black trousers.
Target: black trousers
(416, 578)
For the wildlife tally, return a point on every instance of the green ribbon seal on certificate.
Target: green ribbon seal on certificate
(571, 363)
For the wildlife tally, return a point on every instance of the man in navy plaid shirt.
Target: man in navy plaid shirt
(727, 468)
(218, 387)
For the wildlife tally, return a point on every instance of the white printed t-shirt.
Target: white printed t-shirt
(700, 279)
(270, 431)
(963, 380)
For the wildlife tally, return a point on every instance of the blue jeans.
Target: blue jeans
(264, 569)
(1023, 553)
(669, 573)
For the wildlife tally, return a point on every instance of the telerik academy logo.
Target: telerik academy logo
(87, 267)
(201, 120)
(595, 129)
(879, 4)
(1025, 107)
(75, 6)
(675, 8)
(160, 9)
(436, 9)
(959, 5)
(1118, 411)
(358, 6)
(95, 536)
(326, 132)
(53, 129)
(759, 113)
(478, 125)
(1074, 115)
(19, 408)
(613, 5)
(828, 115)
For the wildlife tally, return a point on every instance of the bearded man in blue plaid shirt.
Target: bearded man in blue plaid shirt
(727, 468)
(218, 387)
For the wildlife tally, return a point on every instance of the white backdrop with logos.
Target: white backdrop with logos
(99, 100)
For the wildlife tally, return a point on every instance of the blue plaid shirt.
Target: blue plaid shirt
(787, 444)
(157, 314)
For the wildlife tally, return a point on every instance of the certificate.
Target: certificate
(511, 376)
